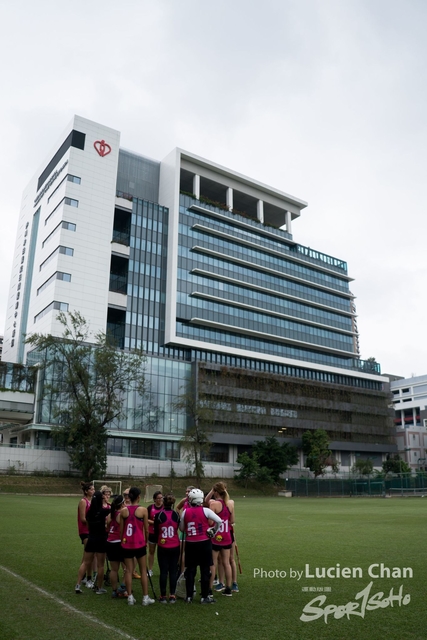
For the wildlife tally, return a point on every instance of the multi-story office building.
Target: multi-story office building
(197, 264)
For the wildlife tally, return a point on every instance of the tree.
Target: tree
(195, 442)
(249, 468)
(363, 467)
(274, 456)
(87, 383)
(315, 445)
(395, 464)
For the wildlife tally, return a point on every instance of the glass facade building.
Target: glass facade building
(197, 265)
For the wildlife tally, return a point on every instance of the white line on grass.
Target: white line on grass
(68, 606)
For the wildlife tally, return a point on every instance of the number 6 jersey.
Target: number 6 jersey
(133, 531)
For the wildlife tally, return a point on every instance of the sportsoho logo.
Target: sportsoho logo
(102, 148)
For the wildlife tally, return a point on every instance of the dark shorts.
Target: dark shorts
(152, 538)
(96, 545)
(83, 537)
(114, 552)
(134, 553)
(218, 547)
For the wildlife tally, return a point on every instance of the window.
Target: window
(60, 306)
(70, 226)
(65, 250)
(70, 201)
(74, 179)
(59, 275)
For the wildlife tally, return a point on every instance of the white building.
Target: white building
(410, 404)
(196, 264)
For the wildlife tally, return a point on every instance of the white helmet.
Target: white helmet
(196, 497)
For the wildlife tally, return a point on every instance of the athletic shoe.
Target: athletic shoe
(163, 600)
(114, 594)
(188, 600)
(150, 572)
(131, 599)
(220, 587)
(84, 580)
(235, 587)
(172, 599)
(77, 589)
(146, 600)
(227, 592)
(215, 582)
(136, 575)
(90, 584)
(208, 600)
(100, 591)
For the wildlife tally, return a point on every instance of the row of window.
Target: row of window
(206, 334)
(255, 321)
(59, 306)
(217, 267)
(58, 275)
(243, 252)
(143, 268)
(190, 282)
(229, 227)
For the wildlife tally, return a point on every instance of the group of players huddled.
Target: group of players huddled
(197, 532)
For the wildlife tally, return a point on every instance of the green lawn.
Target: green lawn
(40, 548)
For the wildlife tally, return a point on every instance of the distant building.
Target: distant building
(198, 265)
(410, 405)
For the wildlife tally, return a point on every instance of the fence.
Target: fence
(397, 485)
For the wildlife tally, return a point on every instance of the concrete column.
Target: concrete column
(229, 198)
(196, 186)
(288, 222)
(260, 211)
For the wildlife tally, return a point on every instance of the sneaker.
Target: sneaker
(235, 587)
(215, 582)
(84, 580)
(208, 600)
(89, 584)
(136, 575)
(163, 600)
(172, 599)
(131, 599)
(219, 587)
(146, 600)
(114, 594)
(227, 592)
(77, 589)
(188, 600)
(100, 591)
(150, 572)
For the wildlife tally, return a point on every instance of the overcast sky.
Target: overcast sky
(323, 99)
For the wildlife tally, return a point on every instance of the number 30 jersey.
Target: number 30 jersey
(167, 527)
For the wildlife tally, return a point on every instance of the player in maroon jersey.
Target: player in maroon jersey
(134, 532)
(166, 533)
(222, 542)
(153, 509)
(114, 546)
(198, 546)
(83, 529)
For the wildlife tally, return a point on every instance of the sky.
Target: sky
(323, 99)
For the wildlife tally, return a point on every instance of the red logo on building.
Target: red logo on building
(102, 148)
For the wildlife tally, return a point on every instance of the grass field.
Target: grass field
(40, 553)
